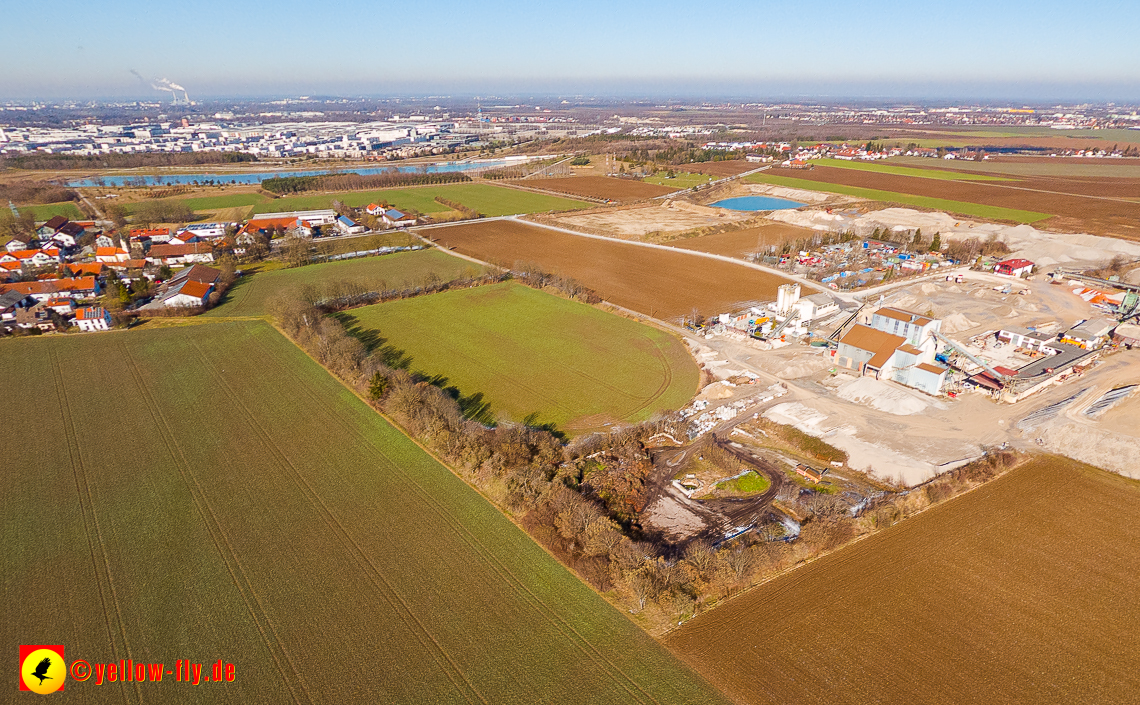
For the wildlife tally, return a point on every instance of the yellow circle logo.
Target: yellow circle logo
(43, 671)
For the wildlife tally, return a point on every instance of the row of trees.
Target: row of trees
(40, 161)
(35, 192)
(284, 185)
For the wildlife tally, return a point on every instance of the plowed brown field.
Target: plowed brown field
(621, 190)
(658, 283)
(1096, 213)
(1022, 591)
(738, 243)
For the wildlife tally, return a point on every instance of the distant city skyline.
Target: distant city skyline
(887, 49)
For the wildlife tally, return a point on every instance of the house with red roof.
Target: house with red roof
(93, 319)
(1013, 267)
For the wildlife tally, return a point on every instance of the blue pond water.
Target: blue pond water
(756, 203)
(258, 177)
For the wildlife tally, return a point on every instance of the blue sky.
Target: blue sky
(877, 48)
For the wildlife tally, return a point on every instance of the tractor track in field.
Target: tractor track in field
(222, 544)
(573, 637)
(83, 489)
(360, 556)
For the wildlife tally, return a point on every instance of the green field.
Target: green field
(976, 210)
(887, 168)
(68, 210)
(233, 200)
(529, 352)
(252, 295)
(484, 198)
(751, 483)
(683, 179)
(241, 504)
(1112, 168)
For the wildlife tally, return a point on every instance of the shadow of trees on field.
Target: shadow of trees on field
(473, 406)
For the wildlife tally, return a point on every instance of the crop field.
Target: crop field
(1100, 169)
(530, 352)
(311, 544)
(826, 182)
(252, 295)
(484, 198)
(232, 200)
(658, 283)
(880, 167)
(68, 210)
(1021, 591)
(604, 187)
(1099, 206)
(679, 180)
(719, 170)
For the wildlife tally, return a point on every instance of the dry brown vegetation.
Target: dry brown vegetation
(1021, 591)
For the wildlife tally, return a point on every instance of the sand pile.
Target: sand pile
(882, 396)
(956, 323)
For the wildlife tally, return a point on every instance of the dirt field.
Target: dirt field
(620, 190)
(638, 222)
(1019, 592)
(739, 243)
(1060, 197)
(655, 282)
(729, 168)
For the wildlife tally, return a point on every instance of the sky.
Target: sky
(984, 49)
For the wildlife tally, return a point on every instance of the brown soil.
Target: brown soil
(739, 243)
(1099, 216)
(1020, 591)
(658, 283)
(729, 168)
(604, 187)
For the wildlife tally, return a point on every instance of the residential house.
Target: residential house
(51, 227)
(111, 254)
(898, 345)
(104, 241)
(348, 226)
(77, 288)
(10, 303)
(154, 235)
(267, 226)
(397, 218)
(180, 254)
(302, 229)
(185, 237)
(93, 319)
(17, 244)
(189, 288)
(10, 269)
(1013, 267)
(90, 269)
(373, 209)
(34, 258)
(68, 236)
(61, 305)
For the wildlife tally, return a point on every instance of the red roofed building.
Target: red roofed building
(93, 319)
(181, 254)
(1013, 267)
(111, 254)
(80, 288)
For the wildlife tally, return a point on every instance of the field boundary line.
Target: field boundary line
(217, 533)
(586, 647)
(314, 498)
(79, 472)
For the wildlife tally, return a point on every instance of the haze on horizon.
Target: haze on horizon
(1022, 51)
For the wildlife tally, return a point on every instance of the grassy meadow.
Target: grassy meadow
(528, 352)
(484, 198)
(880, 167)
(211, 492)
(252, 295)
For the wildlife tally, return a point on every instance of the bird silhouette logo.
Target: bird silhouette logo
(42, 669)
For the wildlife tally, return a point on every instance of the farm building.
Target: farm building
(348, 226)
(93, 318)
(898, 345)
(1013, 267)
(79, 288)
(190, 287)
(809, 473)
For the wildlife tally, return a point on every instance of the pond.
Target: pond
(756, 203)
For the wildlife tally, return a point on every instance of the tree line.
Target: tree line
(39, 161)
(284, 185)
(35, 192)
